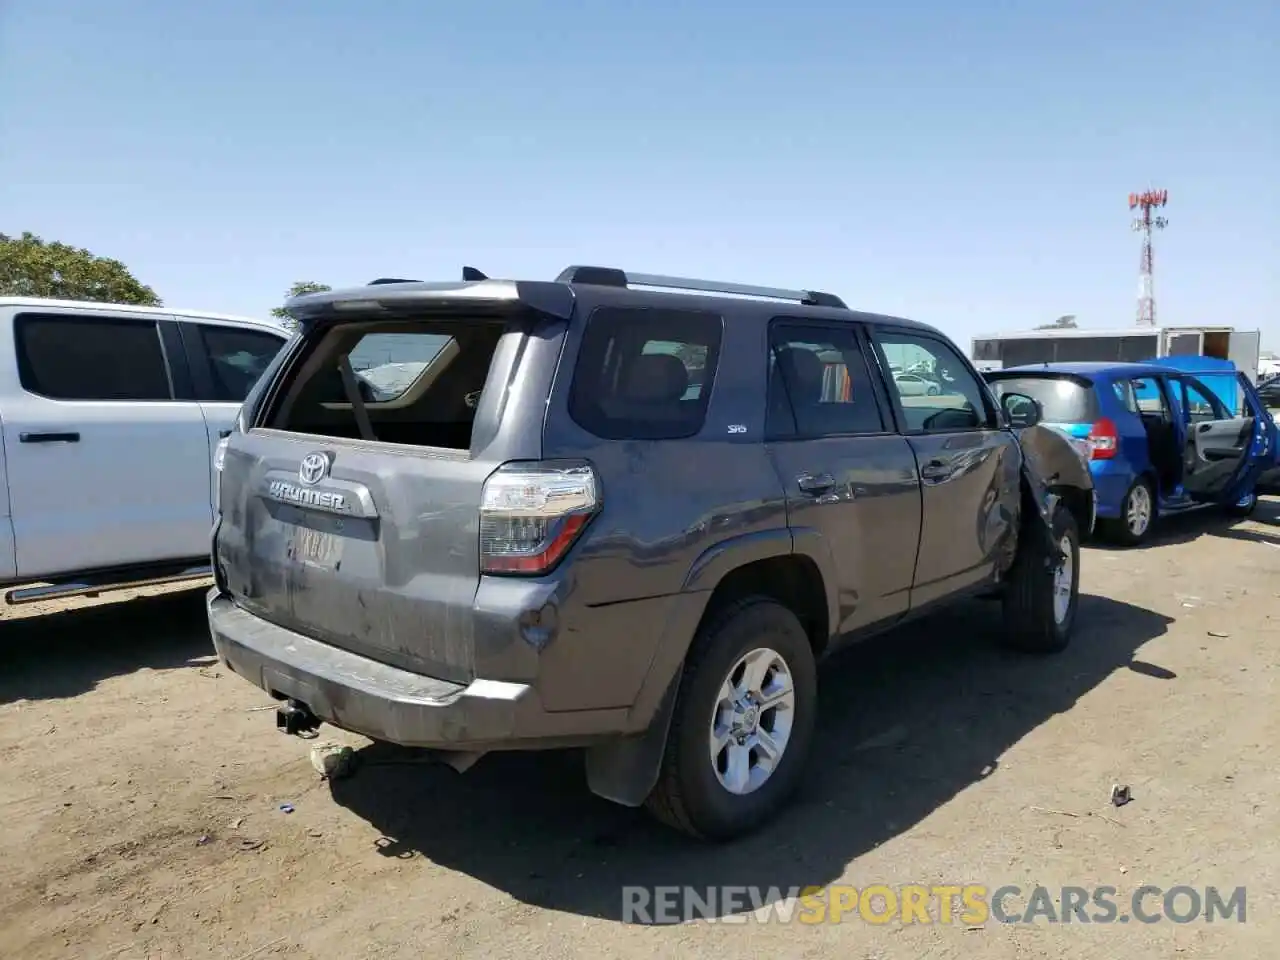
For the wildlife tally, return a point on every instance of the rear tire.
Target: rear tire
(1137, 515)
(1244, 507)
(701, 790)
(1042, 593)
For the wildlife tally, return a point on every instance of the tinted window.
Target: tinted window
(1242, 406)
(1201, 405)
(939, 393)
(1062, 400)
(1074, 349)
(237, 358)
(1227, 391)
(1125, 394)
(819, 384)
(1149, 398)
(693, 356)
(1016, 353)
(1135, 349)
(986, 350)
(645, 374)
(91, 358)
(420, 385)
(391, 363)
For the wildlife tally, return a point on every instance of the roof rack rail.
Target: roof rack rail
(613, 277)
(374, 283)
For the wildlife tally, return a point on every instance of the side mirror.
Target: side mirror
(1022, 411)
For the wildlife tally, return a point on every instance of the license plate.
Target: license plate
(315, 548)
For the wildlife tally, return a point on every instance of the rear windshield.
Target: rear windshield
(645, 374)
(418, 383)
(1062, 399)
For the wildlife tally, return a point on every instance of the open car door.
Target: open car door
(1219, 447)
(1264, 473)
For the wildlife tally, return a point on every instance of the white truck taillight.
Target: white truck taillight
(220, 454)
(219, 457)
(531, 514)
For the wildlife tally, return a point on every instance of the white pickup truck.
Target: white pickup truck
(110, 417)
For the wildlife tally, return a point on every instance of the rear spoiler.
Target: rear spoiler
(991, 376)
(468, 274)
(391, 298)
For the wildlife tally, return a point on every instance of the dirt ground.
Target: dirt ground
(143, 784)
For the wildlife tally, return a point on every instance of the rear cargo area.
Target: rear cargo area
(350, 511)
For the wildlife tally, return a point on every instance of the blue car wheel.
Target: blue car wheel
(1137, 514)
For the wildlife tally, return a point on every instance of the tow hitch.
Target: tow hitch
(296, 718)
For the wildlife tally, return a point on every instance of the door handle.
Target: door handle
(66, 436)
(815, 483)
(935, 470)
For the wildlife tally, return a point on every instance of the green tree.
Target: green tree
(299, 289)
(30, 267)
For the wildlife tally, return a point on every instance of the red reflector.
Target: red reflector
(567, 530)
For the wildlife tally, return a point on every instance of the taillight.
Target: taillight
(220, 453)
(219, 458)
(531, 514)
(1103, 440)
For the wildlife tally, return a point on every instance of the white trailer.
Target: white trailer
(1126, 344)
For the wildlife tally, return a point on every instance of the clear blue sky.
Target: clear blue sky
(966, 164)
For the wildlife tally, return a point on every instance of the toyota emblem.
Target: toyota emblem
(314, 467)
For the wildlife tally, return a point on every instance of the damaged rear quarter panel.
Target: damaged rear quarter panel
(1051, 463)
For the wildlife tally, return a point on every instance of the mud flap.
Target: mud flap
(626, 770)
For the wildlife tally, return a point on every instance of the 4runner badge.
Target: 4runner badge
(287, 492)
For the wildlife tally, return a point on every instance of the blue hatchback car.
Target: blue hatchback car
(1158, 439)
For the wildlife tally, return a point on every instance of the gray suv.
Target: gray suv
(619, 512)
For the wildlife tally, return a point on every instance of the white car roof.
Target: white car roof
(43, 303)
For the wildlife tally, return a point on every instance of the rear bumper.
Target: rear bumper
(386, 703)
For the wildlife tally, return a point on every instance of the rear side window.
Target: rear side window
(645, 374)
(1149, 398)
(1123, 391)
(819, 383)
(1062, 399)
(65, 357)
(418, 383)
(237, 358)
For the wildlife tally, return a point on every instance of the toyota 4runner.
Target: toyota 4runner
(621, 512)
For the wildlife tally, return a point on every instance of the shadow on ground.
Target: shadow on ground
(908, 720)
(1191, 525)
(69, 652)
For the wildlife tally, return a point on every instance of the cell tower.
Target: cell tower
(1144, 222)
